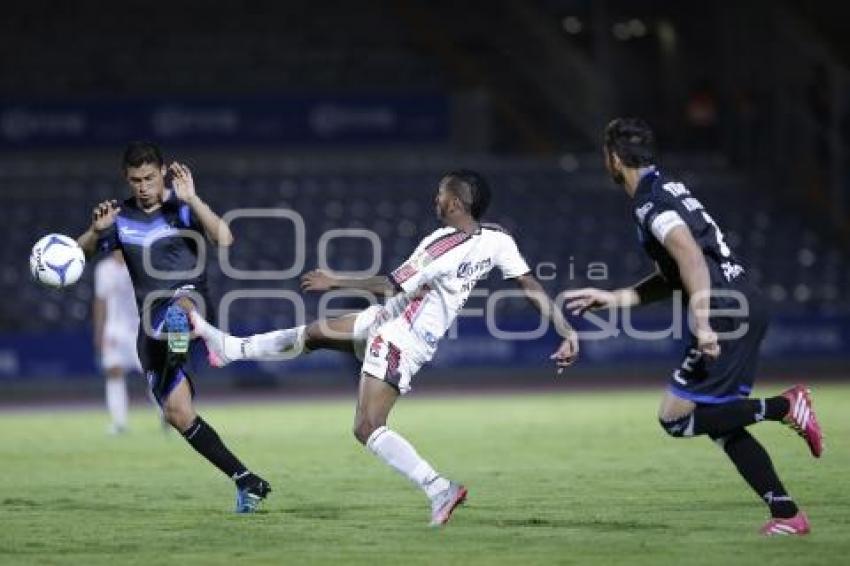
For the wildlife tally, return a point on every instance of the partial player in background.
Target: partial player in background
(160, 233)
(116, 323)
(395, 340)
(707, 394)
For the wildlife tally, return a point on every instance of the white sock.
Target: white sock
(400, 455)
(271, 345)
(116, 401)
(288, 343)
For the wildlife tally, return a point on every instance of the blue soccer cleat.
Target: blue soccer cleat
(250, 495)
(176, 327)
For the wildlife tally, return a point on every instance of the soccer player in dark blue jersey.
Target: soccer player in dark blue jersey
(160, 233)
(707, 393)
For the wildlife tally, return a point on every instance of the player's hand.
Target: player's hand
(708, 344)
(580, 301)
(317, 280)
(103, 215)
(182, 182)
(567, 352)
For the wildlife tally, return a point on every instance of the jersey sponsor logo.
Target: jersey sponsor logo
(642, 211)
(468, 269)
(127, 231)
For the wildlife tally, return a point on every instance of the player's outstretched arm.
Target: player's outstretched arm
(567, 352)
(102, 217)
(184, 188)
(648, 290)
(319, 280)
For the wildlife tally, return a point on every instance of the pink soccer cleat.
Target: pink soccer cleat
(213, 338)
(796, 525)
(801, 417)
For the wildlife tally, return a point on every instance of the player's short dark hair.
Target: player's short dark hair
(471, 188)
(632, 140)
(138, 153)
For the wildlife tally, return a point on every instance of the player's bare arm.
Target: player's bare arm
(319, 280)
(184, 189)
(103, 216)
(696, 281)
(648, 290)
(567, 352)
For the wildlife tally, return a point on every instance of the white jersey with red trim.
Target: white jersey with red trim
(112, 284)
(435, 282)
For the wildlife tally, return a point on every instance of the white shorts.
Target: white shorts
(121, 353)
(385, 349)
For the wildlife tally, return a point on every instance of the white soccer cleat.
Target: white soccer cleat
(214, 339)
(445, 502)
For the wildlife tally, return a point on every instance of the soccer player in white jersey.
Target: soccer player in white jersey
(116, 322)
(396, 339)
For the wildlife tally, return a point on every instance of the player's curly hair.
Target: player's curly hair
(471, 188)
(632, 140)
(139, 152)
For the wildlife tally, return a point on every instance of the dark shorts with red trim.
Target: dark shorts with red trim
(732, 374)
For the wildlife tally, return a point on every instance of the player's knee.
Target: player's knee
(179, 417)
(364, 427)
(681, 427)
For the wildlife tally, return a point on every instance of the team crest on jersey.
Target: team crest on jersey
(422, 261)
(642, 211)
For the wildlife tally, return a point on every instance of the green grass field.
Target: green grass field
(583, 478)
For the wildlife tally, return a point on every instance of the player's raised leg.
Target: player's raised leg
(287, 343)
(374, 402)
(794, 407)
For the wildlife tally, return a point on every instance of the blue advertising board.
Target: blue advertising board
(221, 121)
(70, 354)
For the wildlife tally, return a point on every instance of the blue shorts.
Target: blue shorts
(732, 374)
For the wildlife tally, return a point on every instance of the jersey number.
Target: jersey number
(721, 243)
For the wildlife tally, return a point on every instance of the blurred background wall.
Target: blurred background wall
(348, 113)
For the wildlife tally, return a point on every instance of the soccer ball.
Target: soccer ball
(57, 261)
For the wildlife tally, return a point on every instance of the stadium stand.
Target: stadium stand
(566, 217)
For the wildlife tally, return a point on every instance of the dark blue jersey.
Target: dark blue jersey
(165, 237)
(661, 204)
